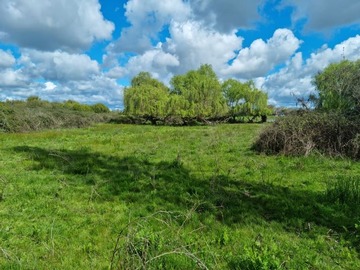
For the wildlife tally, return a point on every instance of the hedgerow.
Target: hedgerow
(36, 114)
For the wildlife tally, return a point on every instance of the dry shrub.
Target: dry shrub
(330, 134)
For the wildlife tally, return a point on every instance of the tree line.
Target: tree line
(197, 94)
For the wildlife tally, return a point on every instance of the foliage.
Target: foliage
(244, 99)
(100, 108)
(37, 114)
(184, 197)
(145, 100)
(198, 94)
(202, 91)
(258, 257)
(146, 96)
(332, 129)
(339, 87)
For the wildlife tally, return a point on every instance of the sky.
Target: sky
(88, 50)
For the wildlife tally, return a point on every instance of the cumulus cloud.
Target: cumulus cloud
(261, 57)
(6, 59)
(51, 25)
(156, 60)
(49, 86)
(99, 89)
(325, 14)
(58, 76)
(195, 44)
(147, 20)
(227, 15)
(15, 85)
(190, 44)
(296, 78)
(10, 78)
(58, 65)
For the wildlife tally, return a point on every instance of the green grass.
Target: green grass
(147, 197)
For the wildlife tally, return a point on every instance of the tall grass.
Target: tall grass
(344, 190)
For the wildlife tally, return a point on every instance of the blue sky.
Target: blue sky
(88, 50)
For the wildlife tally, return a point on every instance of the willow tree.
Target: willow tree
(146, 97)
(244, 99)
(201, 91)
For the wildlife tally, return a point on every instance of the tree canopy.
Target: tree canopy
(146, 96)
(201, 90)
(244, 99)
(339, 87)
(195, 94)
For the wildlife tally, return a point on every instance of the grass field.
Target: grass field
(147, 197)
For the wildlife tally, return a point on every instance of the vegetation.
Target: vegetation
(198, 94)
(331, 134)
(339, 87)
(149, 197)
(36, 114)
(245, 100)
(333, 128)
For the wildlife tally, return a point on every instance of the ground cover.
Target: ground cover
(158, 197)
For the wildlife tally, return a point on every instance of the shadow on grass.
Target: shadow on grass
(170, 186)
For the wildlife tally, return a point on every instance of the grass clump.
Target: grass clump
(344, 190)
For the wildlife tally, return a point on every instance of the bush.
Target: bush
(331, 134)
(35, 114)
(100, 108)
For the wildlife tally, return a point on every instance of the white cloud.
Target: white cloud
(296, 78)
(10, 78)
(49, 86)
(6, 59)
(156, 61)
(325, 14)
(51, 25)
(195, 44)
(147, 20)
(99, 89)
(58, 65)
(261, 57)
(190, 45)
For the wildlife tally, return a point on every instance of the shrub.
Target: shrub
(100, 108)
(332, 134)
(35, 114)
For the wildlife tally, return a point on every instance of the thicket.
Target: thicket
(332, 134)
(331, 128)
(36, 114)
(194, 97)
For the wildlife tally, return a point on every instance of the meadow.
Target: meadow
(156, 197)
